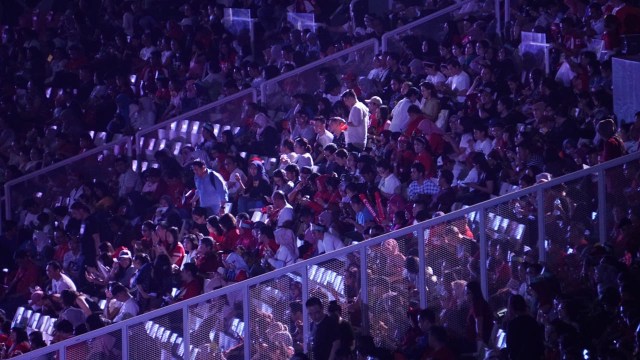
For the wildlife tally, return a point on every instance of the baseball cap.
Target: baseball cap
(374, 99)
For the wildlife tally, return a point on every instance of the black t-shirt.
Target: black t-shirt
(325, 333)
(88, 228)
(525, 338)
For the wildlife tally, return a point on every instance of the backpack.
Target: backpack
(216, 180)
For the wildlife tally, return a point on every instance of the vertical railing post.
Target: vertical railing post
(63, 353)
(542, 251)
(129, 146)
(306, 331)
(125, 342)
(421, 269)
(7, 202)
(246, 317)
(507, 16)
(186, 334)
(602, 207)
(498, 18)
(484, 279)
(364, 291)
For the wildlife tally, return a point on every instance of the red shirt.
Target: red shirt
(229, 240)
(427, 160)
(178, 253)
(58, 254)
(207, 263)
(28, 276)
(247, 240)
(191, 289)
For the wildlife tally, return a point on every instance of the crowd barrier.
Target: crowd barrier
(52, 185)
(366, 278)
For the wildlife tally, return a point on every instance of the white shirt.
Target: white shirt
(325, 138)
(285, 214)
(128, 310)
(389, 184)
(357, 124)
(464, 144)
(485, 146)
(329, 243)
(400, 119)
(145, 52)
(437, 78)
(304, 160)
(459, 82)
(127, 182)
(282, 257)
(232, 185)
(64, 283)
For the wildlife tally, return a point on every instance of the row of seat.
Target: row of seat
(498, 226)
(35, 321)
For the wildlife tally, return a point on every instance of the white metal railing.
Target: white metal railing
(390, 36)
(272, 83)
(302, 268)
(110, 147)
(205, 109)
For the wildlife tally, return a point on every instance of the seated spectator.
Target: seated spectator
(71, 312)
(287, 252)
(129, 307)
(207, 258)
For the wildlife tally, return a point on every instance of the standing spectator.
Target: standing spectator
(89, 232)
(399, 114)
(480, 317)
(525, 340)
(358, 122)
(323, 136)
(325, 330)
(210, 186)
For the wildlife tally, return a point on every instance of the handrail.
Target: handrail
(300, 267)
(65, 162)
(411, 25)
(193, 112)
(264, 86)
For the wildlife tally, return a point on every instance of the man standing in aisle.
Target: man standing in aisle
(211, 189)
(358, 122)
(324, 330)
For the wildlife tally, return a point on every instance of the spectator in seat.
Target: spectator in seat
(230, 235)
(207, 259)
(287, 252)
(70, 312)
(389, 184)
(59, 281)
(129, 308)
(192, 282)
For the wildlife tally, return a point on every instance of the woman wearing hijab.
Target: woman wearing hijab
(287, 253)
(254, 189)
(267, 137)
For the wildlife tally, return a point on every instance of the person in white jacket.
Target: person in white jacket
(327, 242)
(287, 253)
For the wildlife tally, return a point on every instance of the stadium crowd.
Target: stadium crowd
(447, 122)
